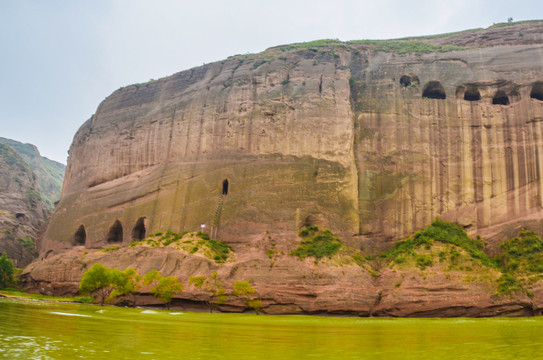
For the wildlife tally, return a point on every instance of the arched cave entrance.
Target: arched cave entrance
(138, 232)
(472, 93)
(80, 236)
(409, 80)
(310, 220)
(500, 98)
(434, 90)
(115, 235)
(537, 91)
(20, 217)
(225, 187)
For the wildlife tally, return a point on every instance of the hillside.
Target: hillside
(50, 174)
(22, 211)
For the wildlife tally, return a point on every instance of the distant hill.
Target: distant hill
(50, 174)
(22, 209)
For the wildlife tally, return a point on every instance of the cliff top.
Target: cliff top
(514, 33)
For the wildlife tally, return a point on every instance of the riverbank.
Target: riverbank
(17, 294)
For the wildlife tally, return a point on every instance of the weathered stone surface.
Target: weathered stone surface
(372, 144)
(49, 173)
(22, 210)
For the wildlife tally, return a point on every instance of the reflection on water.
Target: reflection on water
(40, 330)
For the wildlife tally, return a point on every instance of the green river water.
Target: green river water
(43, 330)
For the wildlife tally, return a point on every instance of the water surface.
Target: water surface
(42, 330)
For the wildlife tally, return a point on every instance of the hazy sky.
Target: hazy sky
(60, 58)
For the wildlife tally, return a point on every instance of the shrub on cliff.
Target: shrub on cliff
(6, 271)
(444, 232)
(317, 244)
(244, 290)
(523, 254)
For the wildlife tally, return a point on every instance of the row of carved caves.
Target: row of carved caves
(469, 92)
(114, 235)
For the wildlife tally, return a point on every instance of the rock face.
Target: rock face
(22, 210)
(371, 139)
(49, 173)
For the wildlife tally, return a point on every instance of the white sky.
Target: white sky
(60, 58)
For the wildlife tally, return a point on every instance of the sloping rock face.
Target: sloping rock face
(49, 173)
(370, 139)
(22, 211)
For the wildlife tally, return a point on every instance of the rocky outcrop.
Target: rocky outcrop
(372, 139)
(22, 211)
(49, 173)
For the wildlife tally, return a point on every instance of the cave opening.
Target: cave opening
(500, 98)
(405, 81)
(80, 236)
(434, 90)
(138, 232)
(409, 80)
(225, 187)
(115, 235)
(472, 94)
(310, 220)
(537, 91)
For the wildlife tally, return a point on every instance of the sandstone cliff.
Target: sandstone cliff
(22, 210)
(372, 139)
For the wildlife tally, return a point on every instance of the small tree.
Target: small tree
(6, 271)
(244, 290)
(99, 280)
(213, 286)
(128, 283)
(165, 286)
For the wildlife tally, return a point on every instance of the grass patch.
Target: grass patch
(110, 249)
(406, 46)
(313, 45)
(317, 244)
(220, 249)
(24, 295)
(190, 242)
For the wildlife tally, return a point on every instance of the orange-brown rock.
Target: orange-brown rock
(370, 139)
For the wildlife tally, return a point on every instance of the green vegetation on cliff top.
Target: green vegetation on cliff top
(400, 46)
